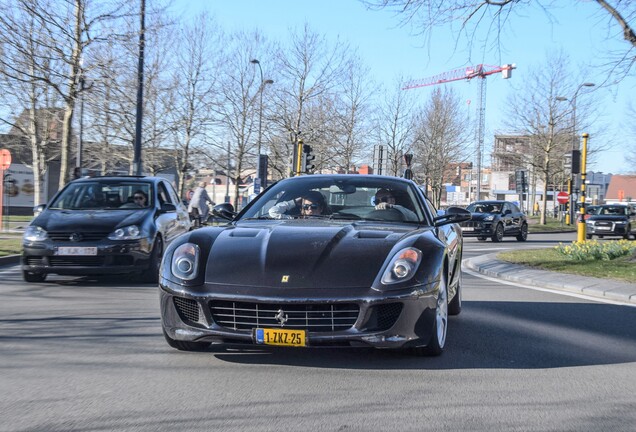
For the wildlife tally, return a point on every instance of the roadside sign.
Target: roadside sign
(5, 159)
(563, 197)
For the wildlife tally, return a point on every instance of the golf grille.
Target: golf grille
(309, 317)
(82, 261)
(81, 237)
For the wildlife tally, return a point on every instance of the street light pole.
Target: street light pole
(570, 214)
(80, 142)
(260, 121)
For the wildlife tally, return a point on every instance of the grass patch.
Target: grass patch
(10, 246)
(550, 225)
(622, 268)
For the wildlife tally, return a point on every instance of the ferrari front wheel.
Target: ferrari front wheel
(438, 339)
(455, 305)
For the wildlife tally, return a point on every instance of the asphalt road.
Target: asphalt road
(88, 355)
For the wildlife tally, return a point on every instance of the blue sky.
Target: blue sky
(391, 51)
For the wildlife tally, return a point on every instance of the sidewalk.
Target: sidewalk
(609, 289)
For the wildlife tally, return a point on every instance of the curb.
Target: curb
(489, 265)
(9, 260)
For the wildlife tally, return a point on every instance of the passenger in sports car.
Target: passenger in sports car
(311, 203)
(384, 200)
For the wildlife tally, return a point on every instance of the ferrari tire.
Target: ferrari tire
(151, 275)
(185, 345)
(436, 344)
(498, 234)
(33, 277)
(455, 305)
(523, 234)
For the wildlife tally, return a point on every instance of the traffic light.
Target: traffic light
(308, 159)
(576, 161)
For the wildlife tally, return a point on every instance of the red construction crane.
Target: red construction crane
(468, 73)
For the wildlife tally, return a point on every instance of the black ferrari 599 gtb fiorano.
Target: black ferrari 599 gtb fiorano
(318, 260)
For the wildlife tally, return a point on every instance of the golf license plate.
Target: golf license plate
(74, 251)
(280, 337)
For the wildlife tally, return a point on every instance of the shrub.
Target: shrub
(594, 250)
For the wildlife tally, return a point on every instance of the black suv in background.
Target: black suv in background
(104, 225)
(612, 220)
(495, 219)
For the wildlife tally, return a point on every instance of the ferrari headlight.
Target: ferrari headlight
(35, 233)
(130, 232)
(185, 261)
(402, 266)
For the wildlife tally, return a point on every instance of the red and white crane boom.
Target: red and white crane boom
(468, 73)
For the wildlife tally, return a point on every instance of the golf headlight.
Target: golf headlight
(185, 261)
(130, 232)
(35, 233)
(402, 266)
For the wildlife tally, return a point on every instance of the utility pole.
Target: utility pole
(227, 175)
(140, 93)
(262, 181)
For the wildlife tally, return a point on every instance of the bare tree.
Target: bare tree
(308, 70)
(27, 67)
(352, 104)
(545, 120)
(441, 139)
(63, 32)
(484, 22)
(237, 108)
(194, 76)
(393, 124)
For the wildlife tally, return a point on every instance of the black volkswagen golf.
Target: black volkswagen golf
(104, 225)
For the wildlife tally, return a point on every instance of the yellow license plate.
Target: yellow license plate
(280, 337)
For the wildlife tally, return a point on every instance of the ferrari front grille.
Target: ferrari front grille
(384, 316)
(310, 317)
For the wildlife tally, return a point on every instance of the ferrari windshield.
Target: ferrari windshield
(340, 197)
(102, 195)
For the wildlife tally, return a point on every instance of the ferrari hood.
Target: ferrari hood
(315, 255)
(89, 220)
